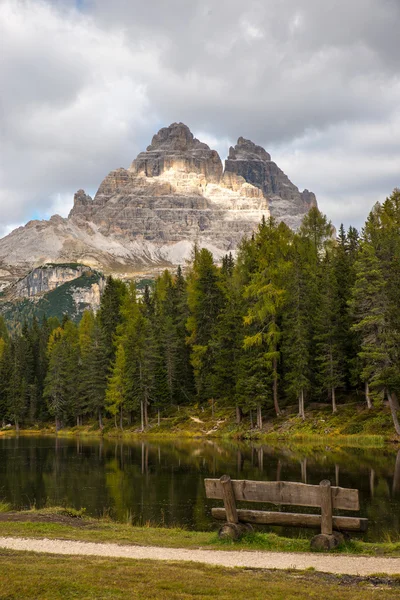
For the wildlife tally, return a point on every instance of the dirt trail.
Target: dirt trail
(338, 564)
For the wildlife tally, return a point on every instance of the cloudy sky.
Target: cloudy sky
(84, 84)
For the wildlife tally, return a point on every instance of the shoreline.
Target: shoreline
(352, 425)
(373, 441)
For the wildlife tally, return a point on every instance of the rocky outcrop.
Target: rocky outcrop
(149, 216)
(254, 164)
(175, 147)
(52, 291)
(45, 279)
(173, 193)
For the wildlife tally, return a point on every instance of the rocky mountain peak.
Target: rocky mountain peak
(175, 147)
(248, 150)
(176, 137)
(82, 198)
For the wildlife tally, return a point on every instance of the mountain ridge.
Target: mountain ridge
(148, 216)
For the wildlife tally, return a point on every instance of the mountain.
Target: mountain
(149, 216)
(52, 290)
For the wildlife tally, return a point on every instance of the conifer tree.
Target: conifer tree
(110, 311)
(116, 389)
(93, 365)
(205, 301)
(330, 358)
(296, 334)
(379, 343)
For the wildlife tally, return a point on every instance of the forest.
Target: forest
(295, 317)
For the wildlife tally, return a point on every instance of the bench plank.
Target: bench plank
(292, 519)
(284, 492)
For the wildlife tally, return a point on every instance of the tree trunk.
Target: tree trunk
(334, 407)
(239, 456)
(275, 388)
(120, 419)
(395, 401)
(146, 416)
(394, 412)
(16, 426)
(303, 467)
(142, 415)
(261, 459)
(251, 419)
(238, 415)
(367, 395)
(301, 405)
(100, 420)
(372, 482)
(396, 476)
(212, 407)
(158, 417)
(259, 417)
(278, 470)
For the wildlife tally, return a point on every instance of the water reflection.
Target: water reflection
(163, 482)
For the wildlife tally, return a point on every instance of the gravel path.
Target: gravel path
(339, 564)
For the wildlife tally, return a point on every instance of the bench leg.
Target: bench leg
(326, 507)
(327, 540)
(229, 499)
(234, 531)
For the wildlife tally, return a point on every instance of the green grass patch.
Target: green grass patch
(67, 524)
(5, 507)
(39, 577)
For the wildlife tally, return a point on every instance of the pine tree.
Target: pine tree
(330, 357)
(379, 343)
(110, 311)
(227, 342)
(5, 367)
(61, 390)
(296, 336)
(93, 365)
(116, 389)
(205, 301)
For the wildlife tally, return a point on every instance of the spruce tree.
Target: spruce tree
(205, 301)
(330, 357)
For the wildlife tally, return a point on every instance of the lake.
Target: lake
(162, 482)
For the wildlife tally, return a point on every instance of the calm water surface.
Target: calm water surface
(163, 482)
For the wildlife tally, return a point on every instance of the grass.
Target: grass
(316, 439)
(48, 577)
(78, 527)
(5, 507)
(353, 425)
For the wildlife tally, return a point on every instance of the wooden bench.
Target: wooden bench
(323, 496)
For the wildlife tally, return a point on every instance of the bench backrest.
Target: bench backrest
(284, 492)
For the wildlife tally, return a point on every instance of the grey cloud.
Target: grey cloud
(82, 91)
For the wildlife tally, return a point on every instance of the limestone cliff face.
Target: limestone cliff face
(45, 279)
(254, 164)
(149, 216)
(173, 193)
(51, 291)
(176, 148)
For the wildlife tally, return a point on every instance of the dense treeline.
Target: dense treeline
(296, 317)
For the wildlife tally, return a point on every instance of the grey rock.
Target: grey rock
(149, 216)
(254, 164)
(175, 147)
